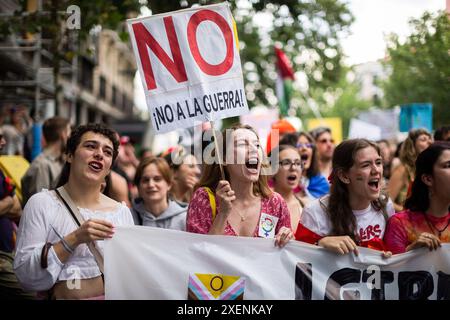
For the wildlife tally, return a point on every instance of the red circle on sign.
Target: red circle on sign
(194, 22)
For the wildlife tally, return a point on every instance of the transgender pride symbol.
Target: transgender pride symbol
(215, 287)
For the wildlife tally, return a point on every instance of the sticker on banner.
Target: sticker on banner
(215, 287)
(267, 226)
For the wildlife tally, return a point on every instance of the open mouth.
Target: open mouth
(304, 157)
(252, 163)
(292, 177)
(96, 166)
(374, 184)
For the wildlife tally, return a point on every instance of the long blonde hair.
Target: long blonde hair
(211, 172)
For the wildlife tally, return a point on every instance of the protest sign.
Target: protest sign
(335, 124)
(189, 65)
(361, 129)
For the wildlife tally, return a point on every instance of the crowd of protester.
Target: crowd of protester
(88, 179)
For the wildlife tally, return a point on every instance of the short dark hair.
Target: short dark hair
(439, 133)
(75, 139)
(53, 127)
(290, 139)
(419, 198)
(317, 132)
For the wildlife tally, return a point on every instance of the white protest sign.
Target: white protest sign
(362, 129)
(189, 65)
(151, 263)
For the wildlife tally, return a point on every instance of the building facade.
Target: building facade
(96, 85)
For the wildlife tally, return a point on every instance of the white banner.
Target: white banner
(189, 65)
(150, 263)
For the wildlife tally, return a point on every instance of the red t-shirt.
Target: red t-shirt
(405, 227)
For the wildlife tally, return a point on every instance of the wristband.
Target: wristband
(44, 255)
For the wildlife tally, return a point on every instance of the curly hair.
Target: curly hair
(75, 139)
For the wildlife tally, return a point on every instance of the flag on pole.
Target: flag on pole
(284, 81)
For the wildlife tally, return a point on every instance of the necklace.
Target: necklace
(242, 217)
(433, 227)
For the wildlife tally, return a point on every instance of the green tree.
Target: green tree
(342, 101)
(309, 32)
(421, 66)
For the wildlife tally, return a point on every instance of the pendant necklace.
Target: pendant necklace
(242, 217)
(433, 227)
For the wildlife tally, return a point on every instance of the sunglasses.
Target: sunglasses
(322, 141)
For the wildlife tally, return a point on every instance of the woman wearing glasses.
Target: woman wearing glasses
(313, 184)
(242, 204)
(287, 179)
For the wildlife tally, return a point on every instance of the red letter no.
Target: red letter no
(144, 39)
(196, 19)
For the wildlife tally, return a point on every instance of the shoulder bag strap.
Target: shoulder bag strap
(78, 218)
(212, 202)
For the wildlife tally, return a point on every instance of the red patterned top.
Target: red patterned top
(199, 216)
(405, 227)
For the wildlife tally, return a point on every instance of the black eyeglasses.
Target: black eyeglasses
(287, 164)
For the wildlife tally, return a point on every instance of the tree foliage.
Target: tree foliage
(420, 66)
(341, 101)
(109, 14)
(308, 31)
